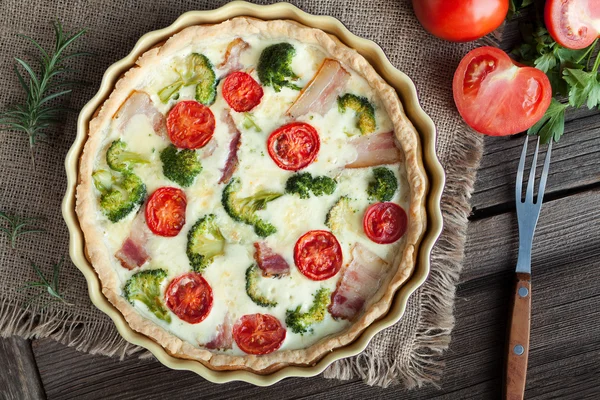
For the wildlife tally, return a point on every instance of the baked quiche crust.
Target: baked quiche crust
(407, 140)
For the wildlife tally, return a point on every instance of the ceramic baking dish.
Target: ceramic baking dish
(408, 95)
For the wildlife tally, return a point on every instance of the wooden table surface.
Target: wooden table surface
(564, 360)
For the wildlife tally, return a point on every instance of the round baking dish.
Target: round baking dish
(376, 57)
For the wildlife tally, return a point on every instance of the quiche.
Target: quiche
(251, 195)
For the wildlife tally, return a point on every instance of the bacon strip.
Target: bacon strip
(140, 103)
(360, 280)
(133, 253)
(231, 61)
(223, 339)
(269, 262)
(322, 91)
(375, 149)
(232, 159)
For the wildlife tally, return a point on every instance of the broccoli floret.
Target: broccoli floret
(180, 166)
(205, 242)
(300, 184)
(195, 70)
(120, 159)
(338, 217)
(252, 277)
(363, 109)
(300, 322)
(303, 183)
(244, 209)
(263, 228)
(120, 193)
(144, 286)
(383, 185)
(323, 185)
(275, 67)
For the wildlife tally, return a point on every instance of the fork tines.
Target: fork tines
(530, 183)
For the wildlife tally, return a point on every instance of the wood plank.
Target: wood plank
(19, 379)
(575, 162)
(565, 347)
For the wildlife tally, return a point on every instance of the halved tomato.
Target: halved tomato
(574, 24)
(385, 223)
(190, 297)
(318, 255)
(294, 146)
(258, 333)
(497, 97)
(241, 91)
(165, 211)
(190, 125)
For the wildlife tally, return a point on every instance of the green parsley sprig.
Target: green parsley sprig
(514, 6)
(39, 112)
(571, 73)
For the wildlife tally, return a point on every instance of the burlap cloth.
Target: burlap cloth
(407, 353)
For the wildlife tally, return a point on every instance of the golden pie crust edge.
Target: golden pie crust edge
(407, 139)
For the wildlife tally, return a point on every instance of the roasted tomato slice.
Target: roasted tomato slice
(258, 333)
(294, 146)
(573, 23)
(165, 211)
(190, 297)
(241, 91)
(318, 255)
(495, 96)
(190, 125)
(460, 20)
(385, 223)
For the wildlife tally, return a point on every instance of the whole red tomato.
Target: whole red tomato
(460, 20)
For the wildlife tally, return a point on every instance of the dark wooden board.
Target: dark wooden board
(565, 341)
(19, 379)
(575, 162)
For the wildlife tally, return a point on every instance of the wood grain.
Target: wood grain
(19, 379)
(575, 163)
(564, 347)
(517, 349)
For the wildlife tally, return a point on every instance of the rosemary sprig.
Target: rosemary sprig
(51, 286)
(39, 112)
(16, 226)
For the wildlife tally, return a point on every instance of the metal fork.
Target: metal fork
(528, 213)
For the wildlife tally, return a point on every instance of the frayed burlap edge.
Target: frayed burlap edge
(91, 337)
(424, 365)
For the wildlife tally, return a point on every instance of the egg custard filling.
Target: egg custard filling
(251, 195)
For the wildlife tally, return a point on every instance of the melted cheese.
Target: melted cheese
(291, 215)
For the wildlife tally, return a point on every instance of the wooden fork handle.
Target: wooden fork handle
(515, 370)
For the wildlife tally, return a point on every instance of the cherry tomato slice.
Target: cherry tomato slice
(190, 125)
(165, 211)
(318, 255)
(495, 96)
(241, 91)
(574, 24)
(258, 333)
(460, 20)
(294, 146)
(385, 223)
(190, 297)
